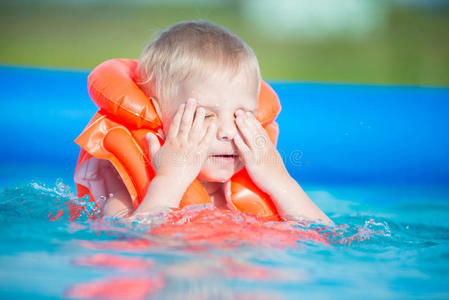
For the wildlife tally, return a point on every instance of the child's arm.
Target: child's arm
(293, 203)
(177, 163)
(266, 168)
(162, 193)
(120, 204)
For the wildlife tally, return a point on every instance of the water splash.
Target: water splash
(36, 200)
(346, 234)
(191, 226)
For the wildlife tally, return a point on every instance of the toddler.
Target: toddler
(204, 83)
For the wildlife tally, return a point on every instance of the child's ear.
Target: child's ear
(156, 106)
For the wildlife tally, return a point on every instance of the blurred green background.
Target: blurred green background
(357, 41)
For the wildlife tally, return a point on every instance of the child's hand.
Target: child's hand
(262, 161)
(185, 149)
(266, 168)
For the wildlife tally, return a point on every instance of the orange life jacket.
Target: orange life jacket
(117, 133)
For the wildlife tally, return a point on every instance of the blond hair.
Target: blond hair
(193, 48)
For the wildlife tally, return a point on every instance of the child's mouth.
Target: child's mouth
(225, 157)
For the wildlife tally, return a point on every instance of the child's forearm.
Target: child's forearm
(162, 193)
(292, 203)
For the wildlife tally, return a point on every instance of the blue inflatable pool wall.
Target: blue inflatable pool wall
(329, 133)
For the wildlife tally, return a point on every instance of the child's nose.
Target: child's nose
(226, 130)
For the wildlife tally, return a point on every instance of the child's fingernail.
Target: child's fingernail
(239, 112)
(191, 101)
(248, 113)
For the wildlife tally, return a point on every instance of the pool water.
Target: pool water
(389, 242)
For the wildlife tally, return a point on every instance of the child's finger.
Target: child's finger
(250, 122)
(197, 126)
(187, 118)
(243, 148)
(246, 131)
(174, 127)
(210, 133)
(252, 119)
(260, 137)
(153, 143)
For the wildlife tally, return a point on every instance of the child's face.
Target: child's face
(220, 97)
